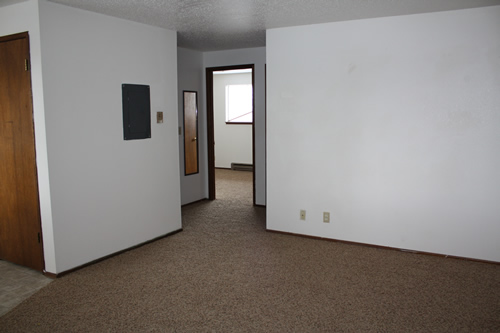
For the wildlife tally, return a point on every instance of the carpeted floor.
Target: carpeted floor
(225, 273)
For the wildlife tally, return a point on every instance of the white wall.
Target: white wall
(233, 143)
(255, 56)
(194, 187)
(15, 19)
(393, 126)
(107, 194)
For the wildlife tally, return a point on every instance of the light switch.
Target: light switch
(159, 117)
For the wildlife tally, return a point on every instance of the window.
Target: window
(239, 105)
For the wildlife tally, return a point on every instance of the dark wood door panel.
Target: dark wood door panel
(20, 232)
(190, 133)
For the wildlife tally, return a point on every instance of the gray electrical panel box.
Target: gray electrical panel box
(136, 112)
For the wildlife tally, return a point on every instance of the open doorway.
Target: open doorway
(237, 117)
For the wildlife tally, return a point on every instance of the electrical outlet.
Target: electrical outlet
(326, 217)
(302, 214)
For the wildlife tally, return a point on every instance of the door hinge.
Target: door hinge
(39, 239)
(27, 66)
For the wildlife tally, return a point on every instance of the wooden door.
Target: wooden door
(190, 133)
(20, 232)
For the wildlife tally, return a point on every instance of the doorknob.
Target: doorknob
(194, 139)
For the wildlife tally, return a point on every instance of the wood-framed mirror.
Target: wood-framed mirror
(191, 164)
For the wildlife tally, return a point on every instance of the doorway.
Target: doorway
(20, 223)
(238, 121)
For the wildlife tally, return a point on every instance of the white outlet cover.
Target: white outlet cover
(326, 217)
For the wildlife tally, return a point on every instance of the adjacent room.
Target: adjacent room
(268, 166)
(232, 91)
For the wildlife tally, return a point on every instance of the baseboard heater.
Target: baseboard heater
(241, 167)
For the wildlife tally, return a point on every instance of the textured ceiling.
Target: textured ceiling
(208, 25)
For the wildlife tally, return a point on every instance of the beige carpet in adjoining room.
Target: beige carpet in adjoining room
(225, 273)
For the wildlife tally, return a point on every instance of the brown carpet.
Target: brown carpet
(225, 273)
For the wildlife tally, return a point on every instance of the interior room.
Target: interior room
(374, 148)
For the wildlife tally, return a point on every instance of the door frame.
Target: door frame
(209, 75)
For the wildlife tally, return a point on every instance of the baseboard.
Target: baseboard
(194, 202)
(257, 205)
(241, 167)
(58, 275)
(385, 247)
(50, 275)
